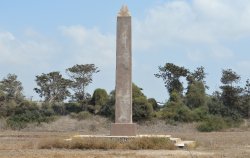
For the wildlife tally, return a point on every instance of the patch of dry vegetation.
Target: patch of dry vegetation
(107, 143)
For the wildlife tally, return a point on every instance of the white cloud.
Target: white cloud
(199, 23)
(90, 45)
(28, 51)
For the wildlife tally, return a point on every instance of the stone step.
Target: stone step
(186, 144)
(175, 140)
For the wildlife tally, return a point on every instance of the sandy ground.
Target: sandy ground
(234, 143)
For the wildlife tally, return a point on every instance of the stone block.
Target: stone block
(123, 129)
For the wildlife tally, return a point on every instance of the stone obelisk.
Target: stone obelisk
(123, 125)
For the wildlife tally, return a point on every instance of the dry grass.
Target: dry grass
(107, 143)
(233, 143)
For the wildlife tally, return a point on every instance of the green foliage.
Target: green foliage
(215, 105)
(53, 87)
(217, 123)
(229, 77)
(100, 97)
(11, 88)
(153, 103)
(213, 123)
(81, 77)
(59, 108)
(200, 113)
(171, 74)
(28, 112)
(178, 112)
(231, 95)
(73, 107)
(196, 95)
(108, 110)
(142, 109)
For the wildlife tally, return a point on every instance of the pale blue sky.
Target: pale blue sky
(51, 35)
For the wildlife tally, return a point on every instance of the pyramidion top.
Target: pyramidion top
(124, 11)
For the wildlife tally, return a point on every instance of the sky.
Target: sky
(52, 35)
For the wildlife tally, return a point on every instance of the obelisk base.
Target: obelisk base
(123, 129)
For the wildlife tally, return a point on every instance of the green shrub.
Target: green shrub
(213, 123)
(59, 108)
(100, 97)
(200, 114)
(28, 112)
(142, 110)
(196, 95)
(72, 107)
(153, 103)
(108, 111)
(177, 112)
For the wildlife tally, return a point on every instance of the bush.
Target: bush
(108, 111)
(28, 112)
(59, 108)
(153, 103)
(196, 95)
(142, 110)
(100, 97)
(213, 123)
(200, 114)
(73, 107)
(177, 112)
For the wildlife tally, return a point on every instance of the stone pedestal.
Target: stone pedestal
(123, 129)
(123, 125)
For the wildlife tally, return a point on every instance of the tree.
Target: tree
(171, 74)
(229, 77)
(196, 95)
(245, 109)
(12, 88)
(108, 110)
(231, 94)
(198, 75)
(99, 99)
(53, 87)
(154, 104)
(81, 77)
(142, 109)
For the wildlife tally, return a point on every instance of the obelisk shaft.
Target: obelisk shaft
(123, 104)
(123, 125)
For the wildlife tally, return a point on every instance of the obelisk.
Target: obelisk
(123, 125)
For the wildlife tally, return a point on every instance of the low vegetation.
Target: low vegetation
(108, 143)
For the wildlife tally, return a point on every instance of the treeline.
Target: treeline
(225, 108)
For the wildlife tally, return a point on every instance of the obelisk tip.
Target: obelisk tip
(124, 11)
